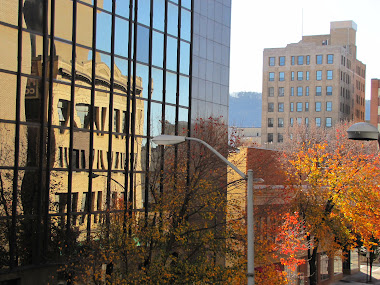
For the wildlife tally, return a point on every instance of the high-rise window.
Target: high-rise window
(318, 121)
(270, 107)
(307, 75)
(270, 91)
(271, 76)
(282, 60)
(306, 106)
(300, 60)
(280, 122)
(307, 121)
(291, 107)
(299, 120)
(308, 59)
(293, 60)
(270, 122)
(319, 74)
(328, 90)
(300, 75)
(292, 75)
(272, 61)
(291, 91)
(329, 74)
(281, 76)
(329, 106)
(330, 58)
(307, 90)
(318, 106)
(299, 91)
(291, 122)
(318, 91)
(328, 122)
(270, 137)
(280, 138)
(299, 106)
(281, 107)
(281, 91)
(319, 59)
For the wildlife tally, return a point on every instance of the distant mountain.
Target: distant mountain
(245, 109)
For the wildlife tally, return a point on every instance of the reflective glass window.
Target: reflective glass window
(329, 106)
(171, 87)
(318, 122)
(143, 12)
(172, 19)
(281, 76)
(318, 106)
(299, 91)
(171, 54)
(185, 24)
(158, 49)
(330, 58)
(281, 91)
(271, 61)
(318, 90)
(271, 76)
(270, 91)
(319, 74)
(329, 74)
(282, 60)
(328, 122)
(121, 37)
(157, 77)
(299, 106)
(185, 58)
(159, 14)
(280, 122)
(281, 107)
(300, 60)
(319, 59)
(329, 90)
(184, 91)
(142, 44)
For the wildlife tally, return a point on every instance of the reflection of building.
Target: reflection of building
(78, 110)
(316, 81)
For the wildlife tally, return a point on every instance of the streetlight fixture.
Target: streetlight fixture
(173, 140)
(363, 131)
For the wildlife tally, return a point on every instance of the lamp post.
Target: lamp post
(173, 140)
(363, 131)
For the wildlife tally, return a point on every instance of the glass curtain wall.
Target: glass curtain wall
(85, 85)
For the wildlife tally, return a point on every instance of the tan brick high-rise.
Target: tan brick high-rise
(318, 81)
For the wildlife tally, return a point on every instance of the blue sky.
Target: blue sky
(256, 25)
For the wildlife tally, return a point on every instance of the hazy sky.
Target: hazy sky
(259, 24)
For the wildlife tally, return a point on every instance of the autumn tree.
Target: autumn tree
(185, 237)
(334, 183)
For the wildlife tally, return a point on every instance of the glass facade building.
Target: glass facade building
(84, 86)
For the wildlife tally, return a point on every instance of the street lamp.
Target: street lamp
(172, 140)
(363, 131)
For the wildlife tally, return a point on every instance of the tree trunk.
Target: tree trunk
(312, 257)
